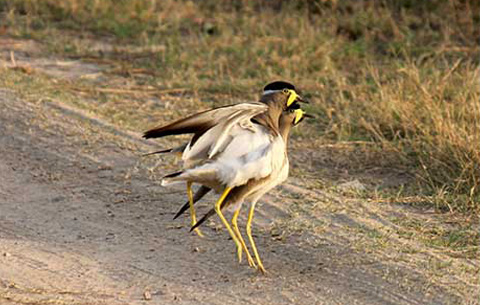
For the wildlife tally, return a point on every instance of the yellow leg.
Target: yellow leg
(250, 238)
(192, 209)
(225, 222)
(251, 262)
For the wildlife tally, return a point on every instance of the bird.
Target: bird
(222, 113)
(254, 189)
(233, 146)
(250, 190)
(203, 190)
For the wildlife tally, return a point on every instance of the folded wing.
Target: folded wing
(228, 147)
(200, 122)
(243, 155)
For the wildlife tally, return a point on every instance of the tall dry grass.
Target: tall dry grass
(430, 116)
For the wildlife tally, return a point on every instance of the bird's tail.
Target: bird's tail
(158, 152)
(202, 220)
(178, 150)
(225, 203)
(202, 191)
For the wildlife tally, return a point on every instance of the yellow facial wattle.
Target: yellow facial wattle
(292, 96)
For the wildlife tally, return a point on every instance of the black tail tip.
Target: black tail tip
(197, 224)
(158, 152)
(173, 175)
(150, 134)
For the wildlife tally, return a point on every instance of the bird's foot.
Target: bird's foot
(261, 268)
(251, 262)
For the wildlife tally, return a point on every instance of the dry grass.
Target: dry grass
(400, 74)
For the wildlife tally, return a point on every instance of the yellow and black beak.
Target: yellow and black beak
(300, 115)
(301, 100)
(293, 97)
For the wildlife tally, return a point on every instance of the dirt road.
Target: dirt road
(83, 221)
(82, 225)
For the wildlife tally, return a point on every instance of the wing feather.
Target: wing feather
(228, 148)
(200, 122)
(214, 140)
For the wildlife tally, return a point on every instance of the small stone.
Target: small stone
(354, 185)
(6, 254)
(147, 295)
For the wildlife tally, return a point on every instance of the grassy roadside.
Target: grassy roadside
(402, 76)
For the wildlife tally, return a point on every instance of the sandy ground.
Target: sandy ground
(83, 222)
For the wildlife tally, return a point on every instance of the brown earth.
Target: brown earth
(83, 220)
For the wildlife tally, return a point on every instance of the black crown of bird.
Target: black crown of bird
(237, 150)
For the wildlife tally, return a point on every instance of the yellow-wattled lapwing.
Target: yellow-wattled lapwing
(219, 114)
(254, 189)
(233, 146)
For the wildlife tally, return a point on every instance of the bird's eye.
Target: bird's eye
(291, 110)
(285, 91)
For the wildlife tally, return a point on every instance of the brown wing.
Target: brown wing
(199, 123)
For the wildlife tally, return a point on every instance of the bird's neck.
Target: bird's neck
(270, 118)
(274, 113)
(285, 132)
